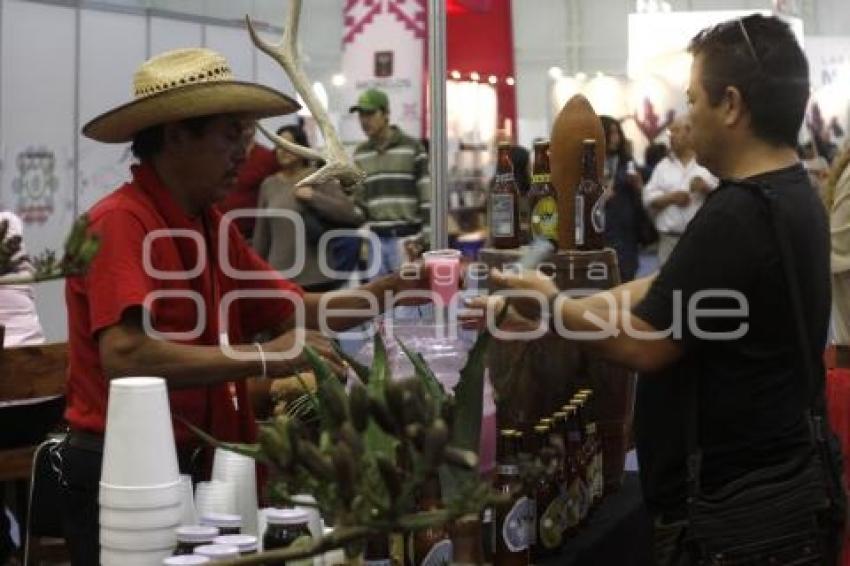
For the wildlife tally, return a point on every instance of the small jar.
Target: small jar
(247, 544)
(185, 560)
(285, 526)
(227, 524)
(218, 552)
(191, 537)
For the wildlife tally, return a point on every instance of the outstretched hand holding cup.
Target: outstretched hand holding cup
(527, 293)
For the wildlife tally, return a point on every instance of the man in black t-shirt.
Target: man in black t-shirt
(747, 97)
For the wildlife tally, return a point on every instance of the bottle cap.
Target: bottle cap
(286, 517)
(221, 520)
(245, 543)
(196, 533)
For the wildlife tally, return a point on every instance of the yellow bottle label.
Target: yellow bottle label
(541, 178)
(544, 218)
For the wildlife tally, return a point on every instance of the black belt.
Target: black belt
(397, 231)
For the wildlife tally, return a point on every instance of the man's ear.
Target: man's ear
(733, 106)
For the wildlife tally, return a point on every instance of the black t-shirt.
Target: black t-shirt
(750, 389)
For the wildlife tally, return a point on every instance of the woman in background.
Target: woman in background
(321, 207)
(623, 209)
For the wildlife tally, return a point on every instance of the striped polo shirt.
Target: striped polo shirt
(397, 189)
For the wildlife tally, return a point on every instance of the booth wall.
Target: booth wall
(61, 66)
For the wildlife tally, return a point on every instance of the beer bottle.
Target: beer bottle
(431, 546)
(510, 518)
(467, 541)
(504, 203)
(569, 500)
(595, 442)
(589, 206)
(542, 197)
(575, 449)
(546, 492)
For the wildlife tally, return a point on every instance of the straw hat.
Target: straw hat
(185, 83)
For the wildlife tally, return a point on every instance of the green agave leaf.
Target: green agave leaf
(423, 372)
(360, 370)
(469, 406)
(325, 379)
(251, 450)
(377, 441)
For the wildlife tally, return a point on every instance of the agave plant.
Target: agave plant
(376, 447)
(80, 249)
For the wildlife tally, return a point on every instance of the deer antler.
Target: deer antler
(338, 165)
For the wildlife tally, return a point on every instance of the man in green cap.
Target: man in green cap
(396, 195)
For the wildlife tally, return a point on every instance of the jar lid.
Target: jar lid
(186, 559)
(286, 517)
(245, 543)
(218, 551)
(196, 533)
(221, 520)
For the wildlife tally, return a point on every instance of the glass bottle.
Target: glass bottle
(510, 518)
(546, 492)
(504, 203)
(589, 204)
(542, 197)
(575, 448)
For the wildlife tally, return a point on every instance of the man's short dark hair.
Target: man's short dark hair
(148, 142)
(760, 57)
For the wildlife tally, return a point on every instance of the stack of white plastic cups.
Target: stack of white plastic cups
(241, 472)
(140, 492)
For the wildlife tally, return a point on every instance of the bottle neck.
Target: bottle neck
(588, 164)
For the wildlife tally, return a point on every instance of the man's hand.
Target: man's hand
(698, 186)
(412, 277)
(679, 198)
(288, 342)
(413, 248)
(524, 311)
(304, 194)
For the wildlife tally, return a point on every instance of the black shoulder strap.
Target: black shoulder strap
(814, 394)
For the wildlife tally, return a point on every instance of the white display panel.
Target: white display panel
(112, 46)
(173, 34)
(38, 122)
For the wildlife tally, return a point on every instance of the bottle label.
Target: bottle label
(544, 218)
(597, 216)
(579, 216)
(515, 527)
(541, 178)
(552, 522)
(440, 554)
(503, 178)
(502, 215)
(573, 514)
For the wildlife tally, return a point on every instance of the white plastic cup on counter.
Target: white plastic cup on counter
(139, 449)
(185, 560)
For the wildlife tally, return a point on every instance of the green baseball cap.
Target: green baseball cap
(371, 100)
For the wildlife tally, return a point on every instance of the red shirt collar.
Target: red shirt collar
(146, 178)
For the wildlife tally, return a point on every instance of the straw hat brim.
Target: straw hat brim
(120, 124)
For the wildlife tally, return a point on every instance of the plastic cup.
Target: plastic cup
(140, 519)
(215, 497)
(126, 497)
(247, 544)
(188, 513)
(115, 557)
(150, 539)
(139, 446)
(444, 272)
(241, 472)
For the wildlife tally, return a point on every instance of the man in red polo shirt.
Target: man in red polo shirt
(175, 291)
